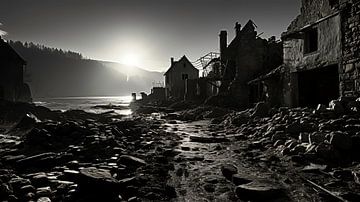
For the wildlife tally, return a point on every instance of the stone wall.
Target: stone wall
(329, 47)
(311, 11)
(350, 71)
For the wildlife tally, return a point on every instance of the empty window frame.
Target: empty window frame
(311, 41)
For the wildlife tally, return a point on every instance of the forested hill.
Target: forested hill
(56, 73)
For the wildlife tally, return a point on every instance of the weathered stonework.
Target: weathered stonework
(333, 64)
(349, 74)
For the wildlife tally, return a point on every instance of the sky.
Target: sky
(145, 33)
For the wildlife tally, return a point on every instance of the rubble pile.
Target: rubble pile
(327, 135)
(87, 160)
(203, 112)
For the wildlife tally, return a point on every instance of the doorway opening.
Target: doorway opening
(318, 86)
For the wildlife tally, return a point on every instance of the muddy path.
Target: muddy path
(207, 152)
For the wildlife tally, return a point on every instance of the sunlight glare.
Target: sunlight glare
(130, 59)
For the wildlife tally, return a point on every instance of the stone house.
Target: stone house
(12, 86)
(177, 75)
(321, 53)
(246, 57)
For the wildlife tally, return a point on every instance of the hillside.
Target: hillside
(57, 73)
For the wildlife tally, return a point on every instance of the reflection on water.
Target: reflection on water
(86, 103)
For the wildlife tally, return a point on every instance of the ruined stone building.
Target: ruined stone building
(177, 75)
(321, 54)
(246, 57)
(12, 86)
(210, 81)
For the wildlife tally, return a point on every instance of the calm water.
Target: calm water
(85, 103)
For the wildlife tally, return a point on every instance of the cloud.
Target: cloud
(2, 32)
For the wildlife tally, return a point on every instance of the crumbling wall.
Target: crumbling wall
(350, 71)
(329, 47)
(311, 11)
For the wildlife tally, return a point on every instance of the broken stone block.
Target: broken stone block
(238, 179)
(279, 135)
(327, 152)
(228, 170)
(259, 191)
(336, 106)
(296, 128)
(131, 161)
(314, 167)
(356, 177)
(98, 180)
(44, 199)
(317, 138)
(209, 187)
(298, 149)
(261, 110)
(304, 137)
(341, 141)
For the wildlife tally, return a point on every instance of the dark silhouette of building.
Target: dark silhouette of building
(177, 75)
(12, 86)
(246, 57)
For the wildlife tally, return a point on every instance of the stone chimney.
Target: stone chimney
(172, 60)
(223, 44)
(237, 28)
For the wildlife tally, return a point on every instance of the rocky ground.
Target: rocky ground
(76, 156)
(173, 154)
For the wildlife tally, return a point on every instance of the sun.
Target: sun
(130, 60)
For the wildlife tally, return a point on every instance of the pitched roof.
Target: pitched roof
(249, 27)
(175, 62)
(7, 51)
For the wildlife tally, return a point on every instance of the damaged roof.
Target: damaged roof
(250, 26)
(273, 72)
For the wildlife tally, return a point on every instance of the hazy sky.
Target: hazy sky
(144, 32)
